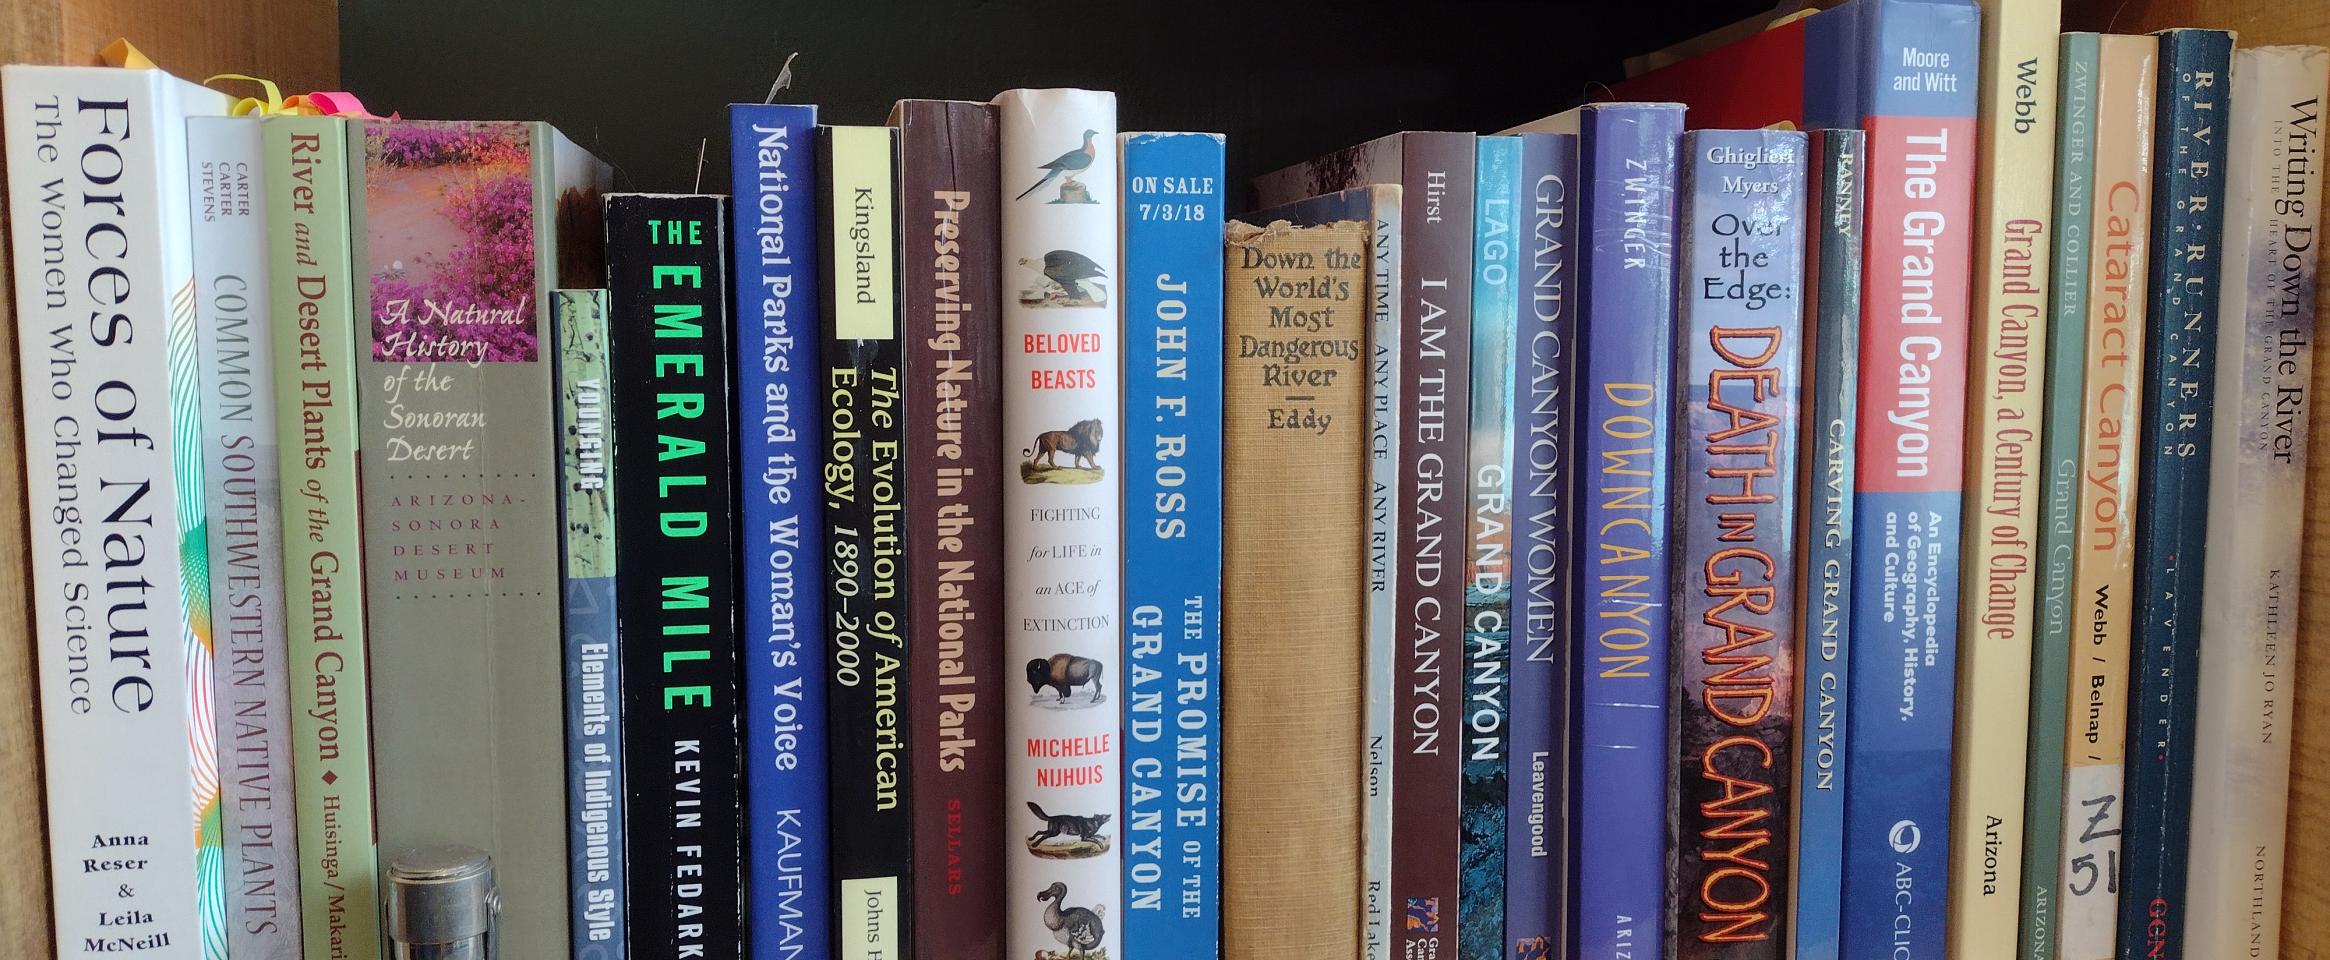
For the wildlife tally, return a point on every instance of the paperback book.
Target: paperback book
(454, 228)
(227, 166)
(2249, 610)
(1738, 357)
(119, 553)
(1488, 559)
(2172, 493)
(594, 740)
(866, 609)
(1824, 548)
(1543, 453)
(781, 597)
(668, 344)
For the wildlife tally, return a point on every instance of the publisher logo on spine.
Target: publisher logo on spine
(1905, 837)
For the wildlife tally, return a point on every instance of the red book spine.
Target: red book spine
(948, 264)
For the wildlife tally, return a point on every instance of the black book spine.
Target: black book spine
(865, 542)
(675, 526)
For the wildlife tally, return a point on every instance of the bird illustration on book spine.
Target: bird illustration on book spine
(1077, 928)
(1064, 169)
(1070, 279)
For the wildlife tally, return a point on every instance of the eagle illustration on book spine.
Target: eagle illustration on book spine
(1063, 548)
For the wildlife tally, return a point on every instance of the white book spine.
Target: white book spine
(226, 173)
(2257, 490)
(1062, 509)
(1383, 574)
(104, 274)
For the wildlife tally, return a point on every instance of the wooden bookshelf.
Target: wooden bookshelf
(2305, 931)
(294, 42)
(297, 42)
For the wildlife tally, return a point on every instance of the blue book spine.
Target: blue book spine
(788, 881)
(1832, 324)
(1626, 347)
(594, 741)
(2172, 476)
(1488, 593)
(1173, 543)
(1537, 708)
(1914, 96)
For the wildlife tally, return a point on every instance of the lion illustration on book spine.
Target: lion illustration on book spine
(1040, 461)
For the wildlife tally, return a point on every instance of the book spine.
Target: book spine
(1824, 549)
(781, 600)
(1173, 542)
(867, 694)
(2066, 373)
(226, 163)
(105, 290)
(947, 207)
(1544, 400)
(2171, 506)
(1626, 340)
(1062, 539)
(1385, 571)
(594, 745)
(1738, 359)
(2103, 568)
(1918, 110)
(311, 277)
(1437, 192)
(2013, 191)
(455, 396)
(2264, 359)
(1488, 568)
(1289, 873)
(675, 606)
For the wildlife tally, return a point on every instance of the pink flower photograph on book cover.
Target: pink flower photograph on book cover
(451, 231)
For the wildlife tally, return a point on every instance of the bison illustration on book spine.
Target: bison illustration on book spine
(1064, 672)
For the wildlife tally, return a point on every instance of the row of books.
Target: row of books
(1372, 561)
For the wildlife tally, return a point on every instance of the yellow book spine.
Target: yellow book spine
(2104, 564)
(2013, 230)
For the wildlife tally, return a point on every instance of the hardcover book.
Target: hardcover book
(1543, 455)
(226, 166)
(2172, 491)
(105, 293)
(668, 330)
(1488, 558)
(2066, 376)
(781, 593)
(954, 492)
(1738, 357)
(1902, 71)
(1628, 170)
(1295, 422)
(1384, 467)
(1836, 174)
(312, 272)
(456, 246)
(1173, 257)
(2264, 357)
(594, 739)
(867, 693)
(1429, 508)
(1063, 545)
(2104, 549)
(2013, 191)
